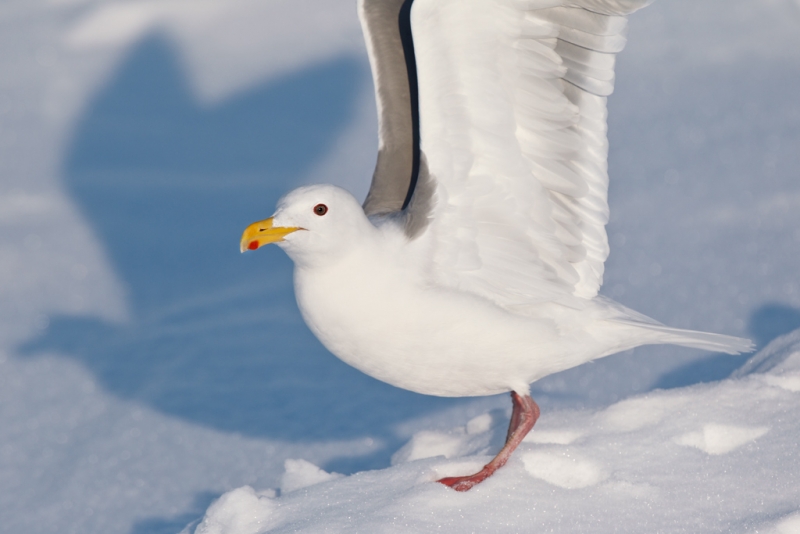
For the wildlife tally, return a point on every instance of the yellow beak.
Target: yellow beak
(263, 233)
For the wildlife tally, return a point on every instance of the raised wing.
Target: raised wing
(512, 103)
(387, 32)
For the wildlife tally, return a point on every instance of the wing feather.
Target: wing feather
(394, 170)
(512, 102)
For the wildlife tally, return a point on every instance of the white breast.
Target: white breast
(376, 316)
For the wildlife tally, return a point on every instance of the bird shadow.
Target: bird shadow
(766, 323)
(168, 185)
(176, 523)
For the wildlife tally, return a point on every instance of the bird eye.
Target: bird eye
(320, 209)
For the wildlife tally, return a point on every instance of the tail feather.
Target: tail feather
(695, 339)
(639, 329)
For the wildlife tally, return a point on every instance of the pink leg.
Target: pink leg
(523, 417)
(516, 415)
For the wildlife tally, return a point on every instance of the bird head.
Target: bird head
(310, 222)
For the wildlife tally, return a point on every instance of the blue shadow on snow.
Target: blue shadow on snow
(766, 323)
(176, 523)
(168, 186)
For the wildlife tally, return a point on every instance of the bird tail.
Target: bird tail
(692, 338)
(640, 329)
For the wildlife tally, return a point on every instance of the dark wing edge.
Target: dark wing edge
(387, 31)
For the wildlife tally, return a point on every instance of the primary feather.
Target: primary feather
(513, 130)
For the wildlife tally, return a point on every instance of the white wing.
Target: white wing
(512, 101)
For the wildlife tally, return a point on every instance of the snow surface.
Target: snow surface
(149, 373)
(718, 457)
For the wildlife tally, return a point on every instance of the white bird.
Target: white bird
(474, 265)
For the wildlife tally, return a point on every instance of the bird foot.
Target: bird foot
(523, 417)
(467, 482)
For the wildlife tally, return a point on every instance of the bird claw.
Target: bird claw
(458, 483)
(467, 482)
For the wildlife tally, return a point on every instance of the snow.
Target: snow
(241, 510)
(301, 473)
(733, 471)
(149, 374)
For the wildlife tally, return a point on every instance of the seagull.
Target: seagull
(474, 264)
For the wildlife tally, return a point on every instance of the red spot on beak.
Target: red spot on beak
(253, 245)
